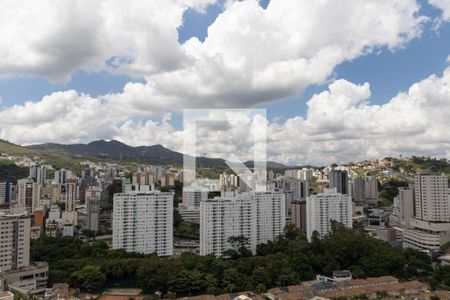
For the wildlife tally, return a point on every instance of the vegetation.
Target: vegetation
(185, 230)
(389, 190)
(288, 260)
(55, 158)
(9, 171)
(113, 188)
(417, 164)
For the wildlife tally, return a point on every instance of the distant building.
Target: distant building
(298, 215)
(229, 182)
(39, 218)
(92, 201)
(28, 193)
(192, 198)
(378, 218)
(61, 176)
(258, 216)
(322, 208)
(365, 190)
(302, 174)
(6, 193)
(190, 208)
(38, 174)
(168, 179)
(339, 180)
(143, 222)
(143, 178)
(403, 208)
(71, 194)
(294, 190)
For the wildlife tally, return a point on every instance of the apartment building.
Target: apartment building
(258, 216)
(143, 222)
(324, 207)
(15, 241)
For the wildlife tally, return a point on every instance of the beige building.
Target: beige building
(364, 190)
(15, 241)
(298, 215)
(27, 193)
(6, 295)
(71, 194)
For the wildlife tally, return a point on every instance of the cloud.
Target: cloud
(54, 39)
(443, 5)
(340, 125)
(251, 55)
(254, 55)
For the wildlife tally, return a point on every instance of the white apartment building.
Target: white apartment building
(324, 207)
(27, 193)
(403, 207)
(302, 174)
(189, 209)
(143, 222)
(192, 198)
(429, 229)
(258, 216)
(15, 241)
(432, 201)
(71, 194)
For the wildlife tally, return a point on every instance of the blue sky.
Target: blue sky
(251, 57)
(387, 72)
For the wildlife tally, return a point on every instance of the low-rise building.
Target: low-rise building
(26, 279)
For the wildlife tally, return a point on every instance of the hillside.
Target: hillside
(13, 149)
(155, 154)
(55, 158)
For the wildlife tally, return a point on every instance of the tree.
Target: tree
(90, 278)
(260, 288)
(260, 276)
(239, 246)
(177, 219)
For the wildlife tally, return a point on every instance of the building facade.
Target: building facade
(429, 229)
(143, 222)
(257, 216)
(365, 190)
(6, 193)
(27, 193)
(298, 214)
(15, 241)
(322, 208)
(339, 180)
(92, 201)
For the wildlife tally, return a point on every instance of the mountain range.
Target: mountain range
(155, 154)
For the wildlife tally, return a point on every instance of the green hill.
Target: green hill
(56, 158)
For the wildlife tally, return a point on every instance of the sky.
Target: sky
(340, 82)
